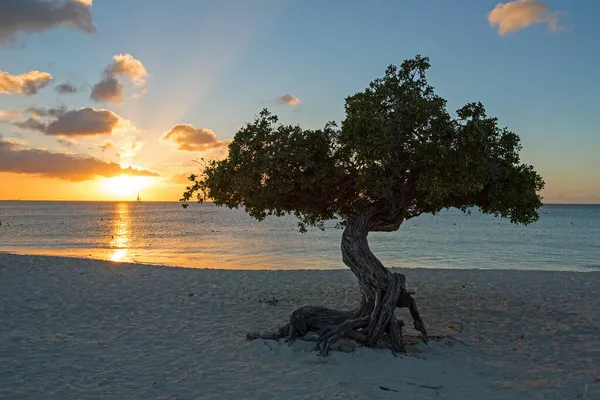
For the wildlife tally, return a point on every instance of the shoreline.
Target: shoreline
(80, 328)
(342, 267)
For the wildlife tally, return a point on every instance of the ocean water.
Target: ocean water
(567, 237)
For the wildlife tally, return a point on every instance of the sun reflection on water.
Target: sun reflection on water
(121, 232)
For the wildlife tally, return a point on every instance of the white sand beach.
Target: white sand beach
(85, 329)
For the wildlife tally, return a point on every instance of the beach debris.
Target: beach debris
(436, 388)
(458, 327)
(448, 338)
(273, 301)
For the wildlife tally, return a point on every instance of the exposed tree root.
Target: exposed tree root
(369, 325)
(373, 323)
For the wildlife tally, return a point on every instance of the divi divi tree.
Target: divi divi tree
(398, 154)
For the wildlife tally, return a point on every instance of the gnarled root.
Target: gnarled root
(367, 325)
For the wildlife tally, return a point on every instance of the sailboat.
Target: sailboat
(139, 198)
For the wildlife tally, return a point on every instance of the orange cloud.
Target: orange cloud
(520, 14)
(41, 15)
(188, 138)
(26, 84)
(17, 159)
(181, 178)
(9, 115)
(109, 89)
(106, 145)
(288, 99)
(128, 66)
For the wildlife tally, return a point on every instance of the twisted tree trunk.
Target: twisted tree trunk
(381, 291)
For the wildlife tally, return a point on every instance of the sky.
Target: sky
(105, 99)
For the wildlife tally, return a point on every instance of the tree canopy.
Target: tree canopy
(398, 149)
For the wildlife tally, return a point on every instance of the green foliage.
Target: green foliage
(398, 144)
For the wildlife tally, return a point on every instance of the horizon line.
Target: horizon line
(178, 201)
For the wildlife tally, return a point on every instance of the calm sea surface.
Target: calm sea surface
(567, 237)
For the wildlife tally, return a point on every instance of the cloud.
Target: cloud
(34, 121)
(140, 94)
(26, 84)
(110, 89)
(17, 159)
(86, 121)
(65, 88)
(129, 147)
(520, 14)
(188, 138)
(9, 115)
(40, 15)
(32, 124)
(45, 112)
(106, 145)
(127, 66)
(181, 178)
(288, 99)
(66, 141)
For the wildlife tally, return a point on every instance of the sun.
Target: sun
(125, 187)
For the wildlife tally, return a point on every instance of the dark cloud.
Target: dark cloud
(32, 124)
(66, 88)
(26, 84)
(108, 90)
(17, 159)
(40, 15)
(188, 138)
(45, 112)
(86, 121)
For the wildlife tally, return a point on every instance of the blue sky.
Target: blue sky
(215, 64)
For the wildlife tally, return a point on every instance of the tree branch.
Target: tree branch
(395, 209)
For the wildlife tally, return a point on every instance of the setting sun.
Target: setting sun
(125, 186)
